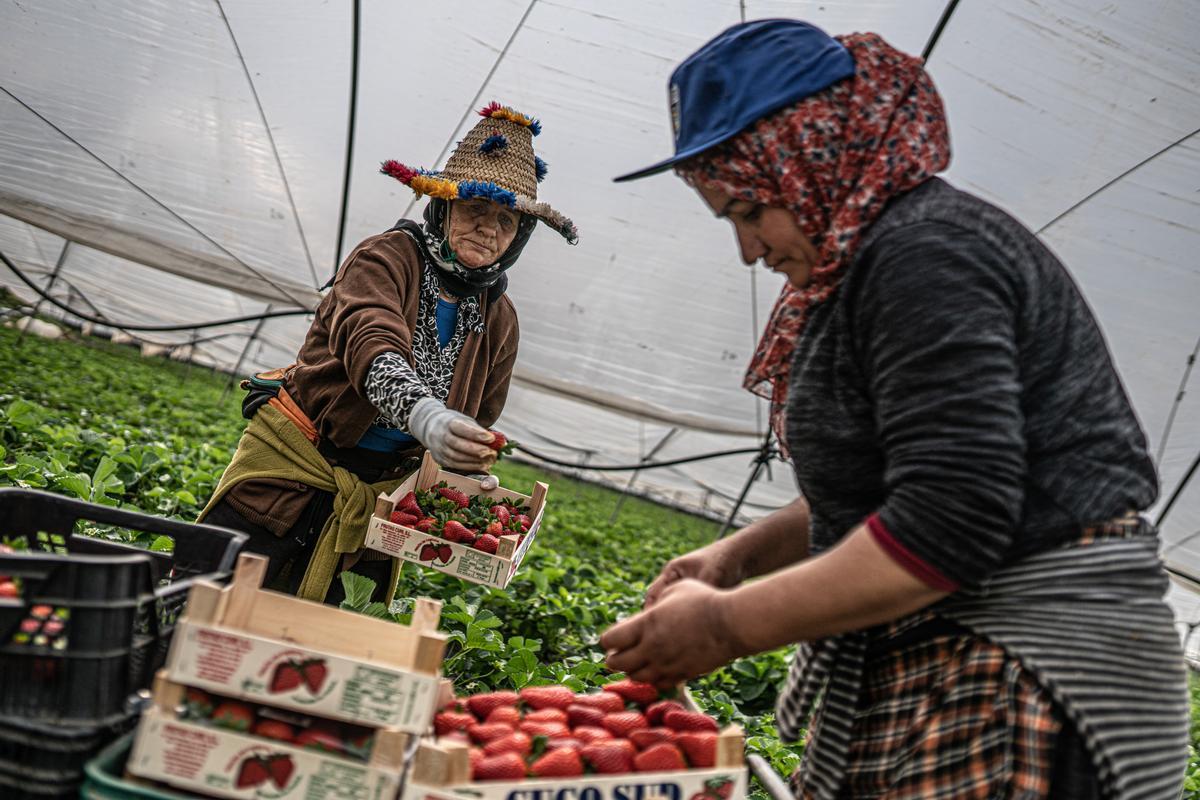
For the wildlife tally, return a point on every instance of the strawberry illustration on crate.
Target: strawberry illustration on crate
(313, 672)
(715, 789)
(285, 678)
(252, 772)
(293, 674)
(435, 551)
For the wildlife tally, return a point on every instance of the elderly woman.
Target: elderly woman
(411, 350)
(977, 602)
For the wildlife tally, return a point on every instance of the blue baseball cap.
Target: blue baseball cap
(746, 73)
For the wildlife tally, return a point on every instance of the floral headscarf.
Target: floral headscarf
(835, 159)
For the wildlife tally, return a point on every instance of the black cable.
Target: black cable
(1183, 482)
(337, 255)
(1187, 371)
(644, 465)
(937, 31)
(153, 328)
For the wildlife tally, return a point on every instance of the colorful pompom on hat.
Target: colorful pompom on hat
(494, 161)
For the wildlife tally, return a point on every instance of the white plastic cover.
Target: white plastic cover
(193, 152)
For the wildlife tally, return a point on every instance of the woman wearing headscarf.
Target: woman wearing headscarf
(977, 602)
(411, 350)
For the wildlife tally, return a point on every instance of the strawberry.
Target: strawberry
(654, 713)
(455, 531)
(405, 519)
(504, 767)
(584, 715)
(484, 732)
(494, 528)
(487, 543)
(425, 524)
(458, 736)
(519, 743)
(252, 772)
(483, 704)
(233, 715)
(280, 767)
(608, 758)
(448, 721)
(700, 748)
(499, 440)
(320, 736)
(445, 552)
(607, 702)
(624, 723)
(475, 755)
(525, 523)
(547, 696)
(559, 742)
(197, 704)
(563, 763)
(273, 729)
(507, 715)
(460, 499)
(409, 505)
(285, 678)
(648, 737)
(9, 589)
(536, 728)
(547, 715)
(501, 514)
(588, 734)
(428, 552)
(659, 758)
(641, 693)
(314, 672)
(689, 721)
(41, 611)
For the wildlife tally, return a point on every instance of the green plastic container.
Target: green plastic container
(104, 777)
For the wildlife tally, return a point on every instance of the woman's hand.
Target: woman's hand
(453, 439)
(685, 633)
(711, 565)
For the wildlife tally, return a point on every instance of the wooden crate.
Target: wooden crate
(239, 642)
(464, 561)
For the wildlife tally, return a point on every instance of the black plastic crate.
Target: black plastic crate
(39, 760)
(94, 618)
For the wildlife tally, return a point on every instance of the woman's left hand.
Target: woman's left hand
(685, 633)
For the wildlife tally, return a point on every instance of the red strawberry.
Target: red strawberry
(498, 441)
(501, 514)
(448, 721)
(519, 743)
(536, 728)
(476, 756)
(321, 736)
(649, 737)
(460, 499)
(429, 551)
(252, 772)
(584, 715)
(445, 553)
(608, 758)
(507, 715)
(233, 715)
(285, 678)
(280, 767)
(588, 734)
(701, 748)
(654, 713)
(547, 715)
(504, 767)
(198, 704)
(487, 543)
(608, 702)
(483, 704)
(494, 528)
(314, 673)
(547, 696)
(559, 742)
(563, 763)
(525, 523)
(405, 519)
(273, 729)
(409, 505)
(455, 531)
(659, 758)
(624, 723)
(425, 524)
(641, 693)
(484, 732)
(689, 721)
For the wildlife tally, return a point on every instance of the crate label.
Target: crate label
(699, 784)
(227, 764)
(274, 673)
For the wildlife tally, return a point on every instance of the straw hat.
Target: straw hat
(495, 161)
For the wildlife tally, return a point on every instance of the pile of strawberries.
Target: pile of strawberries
(475, 521)
(550, 731)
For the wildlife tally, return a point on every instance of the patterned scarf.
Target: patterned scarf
(835, 159)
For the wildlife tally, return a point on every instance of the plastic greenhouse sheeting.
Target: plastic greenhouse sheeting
(193, 154)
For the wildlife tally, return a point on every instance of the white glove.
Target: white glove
(453, 439)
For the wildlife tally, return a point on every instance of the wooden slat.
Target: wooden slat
(203, 602)
(387, 752)
(166, 694)
(248, 578)
(384, 507)
(538, 500)
(731, 747)
(442, 764)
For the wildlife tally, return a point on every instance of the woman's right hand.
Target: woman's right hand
(711, 564)
(453, 439)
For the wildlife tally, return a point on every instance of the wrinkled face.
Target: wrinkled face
(480, 231)
(766, 233)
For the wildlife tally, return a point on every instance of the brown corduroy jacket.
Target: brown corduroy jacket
(372, 309)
